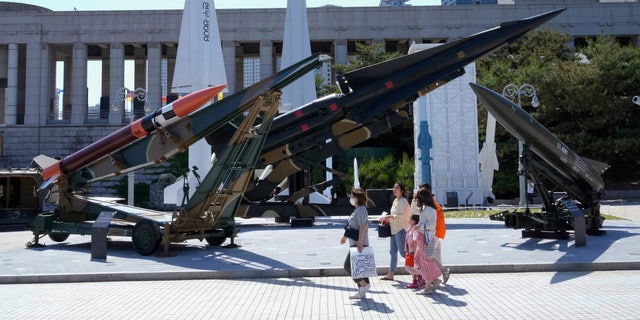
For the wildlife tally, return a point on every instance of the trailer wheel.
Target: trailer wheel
(58, 236)
(146, 237)
(216, 241)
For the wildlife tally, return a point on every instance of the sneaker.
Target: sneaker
(427, 290)
(363, 291)
(413, 285)
(431, 287)
(355, 295)
(445, 275)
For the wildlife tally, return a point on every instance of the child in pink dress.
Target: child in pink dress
(411, 244)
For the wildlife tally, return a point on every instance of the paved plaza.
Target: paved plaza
(279, 272)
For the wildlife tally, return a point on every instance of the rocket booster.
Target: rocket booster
(542, 142)
(142, 127)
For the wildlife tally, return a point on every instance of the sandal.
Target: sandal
(387, 277)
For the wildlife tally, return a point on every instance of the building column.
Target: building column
(105, 95)
(139, 82)
(154, 75)
(79, 99)
(3, 81)
(36, 102)
(340, 51)
(229, 57)
(66, 94)
(266, 58)
(51, 81)
(171, 66)
(11, 111)
(116, 82)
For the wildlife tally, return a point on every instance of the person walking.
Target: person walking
(441, 231)
(423, 205)
(411, 246)
(358, 220)
(398, 218)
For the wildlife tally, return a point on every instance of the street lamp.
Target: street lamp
(120, 99)
(512, 91)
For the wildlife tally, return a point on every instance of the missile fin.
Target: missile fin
(598, 165)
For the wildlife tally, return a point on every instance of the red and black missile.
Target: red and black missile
(140, 128)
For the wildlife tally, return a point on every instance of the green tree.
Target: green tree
(584, 98)
(366, 55)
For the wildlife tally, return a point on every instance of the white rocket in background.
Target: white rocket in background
(295, 47)
(199, 64)
(488, 159)
(356, 181)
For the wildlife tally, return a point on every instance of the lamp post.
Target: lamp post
(514, 91)
(120, 99)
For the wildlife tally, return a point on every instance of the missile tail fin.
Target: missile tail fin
(43, 161)
(599, 166)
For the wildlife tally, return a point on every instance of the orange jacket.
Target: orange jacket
(441, 227)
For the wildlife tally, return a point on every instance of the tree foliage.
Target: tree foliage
(585, 99)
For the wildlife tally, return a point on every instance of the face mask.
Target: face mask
(352, 201)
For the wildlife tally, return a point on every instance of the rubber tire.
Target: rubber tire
(216, 241)
(146, 237)
(58, 236)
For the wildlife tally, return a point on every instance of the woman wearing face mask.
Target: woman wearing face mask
(358, 220)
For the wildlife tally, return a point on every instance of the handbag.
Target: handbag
(363, 264)
(429, 249)
(384, 230)
(429, 244)
(408, 260)
(351, 233)
(430, 269)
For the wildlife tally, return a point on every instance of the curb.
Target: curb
(302, 273)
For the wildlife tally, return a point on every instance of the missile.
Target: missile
(581, 171)
(204, 122)
(373, 92)
(162, 117)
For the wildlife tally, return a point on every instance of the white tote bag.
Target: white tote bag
(363, 264)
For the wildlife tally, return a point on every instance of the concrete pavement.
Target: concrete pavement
(277, 250)
(611, 295)
(281, 272)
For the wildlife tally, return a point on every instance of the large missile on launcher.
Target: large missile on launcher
(156, 148)
(161, 118)
(584, 173)
(209, 214)
(579, 177)
(375, 92)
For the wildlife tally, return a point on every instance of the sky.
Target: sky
(84, 5)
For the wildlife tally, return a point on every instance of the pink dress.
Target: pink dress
(427, 266)
(410, 245)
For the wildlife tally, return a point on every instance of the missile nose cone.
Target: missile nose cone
(194, 100)
(488, 97)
